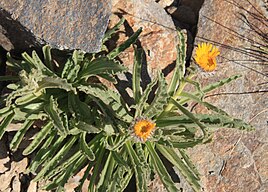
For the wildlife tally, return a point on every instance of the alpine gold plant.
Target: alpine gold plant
(86, 125)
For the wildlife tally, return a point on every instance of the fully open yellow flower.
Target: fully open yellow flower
(143, 128)
(205, 56)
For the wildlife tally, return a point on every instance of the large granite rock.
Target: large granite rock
(159, 36)
(63, 24)
(235, 160)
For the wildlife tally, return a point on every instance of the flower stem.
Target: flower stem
(170, 105)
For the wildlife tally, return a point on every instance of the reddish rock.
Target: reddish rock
(159, 37)
(235, 160)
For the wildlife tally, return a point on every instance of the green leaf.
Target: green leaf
(206, 104)
(39, 137)
(96, 169)
(47, 151)
(185, 170)
(5, 122)
(160, 168)
(136, 77)
(111, 31)
(18, 65)
(85, 148)
(106, 174)
(20, 134)
(101, 65)
(79, 109)
(179, 70)
(54, 114)
(87, 127)
(211, 87)
(220, 83)
(141, 174)
(78, 57)
(5, 110)
(113, 100)
(54, 161)
(74, 157)
(113, 144)
(55, 82)
(114, 53)
(122, 176)
(160, 99)
(40, 65)
(47, 56)
(211, 121)
(192, 117)
(67, 68)
(142, 102)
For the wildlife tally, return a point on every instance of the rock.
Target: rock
(183, 14)
(235, 160)
(4, 41)
(63, 24)
(32, 187)
(158, 39)
(165, 3)
(11, 177)
(4, 158)
(16, 185)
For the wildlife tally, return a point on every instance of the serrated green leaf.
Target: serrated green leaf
(136, 77)
(192, 117)
(96, 170)
(160, 168)
(40, 65)
(185, 170)
(101, 65)
(53, 162)
(85, 148)
(47, 56)
(20, 134)
(206, 104)
(47, 151)
(160, 99)
(179, 70)
(55, 116)
(39, 137)
(142, 102)
(111, 31)
(141, 173)
(106, 174)
(114, 53)
(55, 82)
(79, 109)
(87, 127)
(5, 122)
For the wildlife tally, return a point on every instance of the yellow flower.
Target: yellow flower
(143, 129)
(205, 56)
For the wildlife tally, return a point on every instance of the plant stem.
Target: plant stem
(170, 105)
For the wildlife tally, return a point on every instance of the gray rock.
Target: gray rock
(63, 24)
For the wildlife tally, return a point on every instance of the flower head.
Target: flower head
(143, 128)
(205, 56)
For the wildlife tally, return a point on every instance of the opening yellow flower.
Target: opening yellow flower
(205, 56)
(143, 129)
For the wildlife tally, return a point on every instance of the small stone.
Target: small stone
(165, 3)
(16, 185)
(32, 187)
